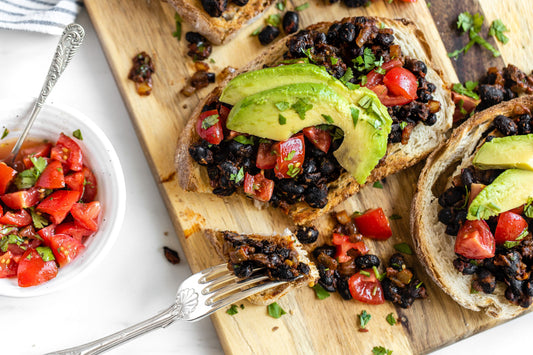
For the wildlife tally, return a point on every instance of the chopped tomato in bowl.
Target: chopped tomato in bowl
(61, 202)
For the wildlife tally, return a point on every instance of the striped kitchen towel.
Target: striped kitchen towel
(48, 16)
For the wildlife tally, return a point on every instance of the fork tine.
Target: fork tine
(237, 285)
(225, 279)
(243, 294)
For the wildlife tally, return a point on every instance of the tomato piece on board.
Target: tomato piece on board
(374, 224)
(33, 270)
(68, 152)
(6, 176)
(344, 244)
(290, 155)
(75, 181)
(510, 226)
(22, 199)
(65, 248)
(209, 127)
(19, 218)
(365, 288)
(86, 214)
(74, 230)
(475, 241)
(90, 186)
(266, 157)
(52, 176)
(258, 187)
(401, 82)
(37, 151)
(8, 266)
(58, 204)
(319, 137)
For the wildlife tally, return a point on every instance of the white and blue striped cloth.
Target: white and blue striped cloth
(47, 16)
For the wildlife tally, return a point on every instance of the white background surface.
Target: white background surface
(134, 281)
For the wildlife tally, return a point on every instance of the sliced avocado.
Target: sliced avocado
(509, 190)
(505, 153)
(280, 112)
(252, 82)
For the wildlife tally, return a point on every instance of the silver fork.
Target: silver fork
(198, 296)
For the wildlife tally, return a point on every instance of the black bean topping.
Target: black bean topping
(329, 250)
(291, 21)
(307, 235)
(347, 32)
(452, 196)
(505, 125)
(195, 37)
(343, 289)
(268, 34)
(316, 197)
(367, 261)
(214, 8)
(447, 215)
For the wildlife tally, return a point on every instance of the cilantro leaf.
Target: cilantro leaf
(348, 75)
(390, 319)
(282, 105)
(403, 248)
(378, 185)
(328, 118)
(497, 28)
(282, 119)
(232, 310)
(177, 33)
(301, 107)
(364, 318)
(355, 115)
(274, 20)
(302, 7)
(320, 292)
(244, 140)
(77, 134)
(210, 121)
(467, 91)
(45, 253)
(275, 310)
(38, 220)
(5, 133)
(380, 350)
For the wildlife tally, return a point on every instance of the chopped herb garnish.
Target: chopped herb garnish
(380, 70)
(528, 208)
(380, 350)
(282, 119)
(403, 248)
(302, 7)
(467, 89)
(472, 24)
(282, 105)
(395, 216)
(348, 75)
(403, 124)
(355, 115)
(45, 253)
(320, 292)
(364, 318)
(363, 272)
(378, 275)
(365, 101)
(418, 285)
(367, 61)
(38, 220)
(497, 28)
(256, 31)
(280, 5)
(210, 121)
(10, 239)
(391, 319)
(244, 140)
(333, 60)
(237, 177)
(378, 185)
(337, 134)
(77, 134)
(242, 306)
(177, 33)
(232, 310)
(328, 118)
(275, 311)
(290, 155)
(274, 20)
(293, 170)
(301, 106)
(5, 133)
(28, 177)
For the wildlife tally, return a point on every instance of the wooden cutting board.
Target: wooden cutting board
(311, 326)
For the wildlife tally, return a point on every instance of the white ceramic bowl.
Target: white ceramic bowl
(100, 156)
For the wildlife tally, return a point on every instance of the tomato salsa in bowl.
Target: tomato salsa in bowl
(62, 209)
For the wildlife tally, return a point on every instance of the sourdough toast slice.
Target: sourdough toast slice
(435, 249)
(219, 30)
(422, 141)
(235, 249)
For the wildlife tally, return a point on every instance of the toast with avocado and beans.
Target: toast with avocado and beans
(472, 210)
(280, 257)
(317, 116)
(219, 20)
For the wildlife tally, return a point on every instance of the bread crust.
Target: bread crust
(219, 30)
(193, 177)
(433, 247)
(272, 295)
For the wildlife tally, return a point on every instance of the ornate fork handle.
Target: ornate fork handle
(178, 310)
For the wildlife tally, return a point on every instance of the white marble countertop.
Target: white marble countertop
(134, 281)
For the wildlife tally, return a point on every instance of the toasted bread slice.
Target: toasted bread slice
(221, 240)
(435, 249)
(423, 139)
(219, 30)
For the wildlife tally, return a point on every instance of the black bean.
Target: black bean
(395, 136)
(214, 8)
(333, 33)
(467, 176)
(201, 154)
(431, 87)
(268, 34)
(423, 95)
(303, 268)
(452, 196)
(329, 250)
(485, 280)
(431, 119)
(397, 261)
(343, 289)
(291, 21)
(465, 266)
(316, 197)
(460, 216)
(447, 215)
(307, 235)
(367, 261)
(384, 39)
(347, 32)
(505, 125)
(524, 124)
(211, 77)
(283, 272)
(490, 95)
(452, 229)
(243, 269)
(195, 37)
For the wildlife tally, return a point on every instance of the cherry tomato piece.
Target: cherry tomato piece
(374, 224)
(266, 157)
(365, 288)
(65, 248)
(74, 230)
(58, 204)
(22, 199)
(510, 226)
(68, 153)
(75, 181)
(6, 176)
(8, 266)
(19, 218)
(319, 137)
(344, 245)
(374, 78)
(38, 151)
(52, 176)
(90, 186)
(86, 214)
(33, 270)
(290, 156)
(258, 187)
(209, 127)
(475, 241)
(401, 82)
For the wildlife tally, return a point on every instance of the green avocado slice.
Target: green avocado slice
(280, 112)
(506, 152)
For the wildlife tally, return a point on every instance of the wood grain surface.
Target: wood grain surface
(311, 326)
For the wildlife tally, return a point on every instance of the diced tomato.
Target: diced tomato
(20, 218)
(86, 214)
(475, 241)
(65, 248)
(52, 177)
(319, 137)
(8, 266)
(75, 181)
(365, 288)
(41, 150)
(475, 189)
(22, 199)
(383, 96)
(344, 244)
(33, 270)
(266, 157)
(90, 186)
(258, 186)
(68, 153)
(74, 230)
(290, 155)
(223, 111)
(58, 204)
(6, 176)
(374, 224)
(510, 226)
(209, 127)
(518, 210)
(401, 82)
(464, 105)
(374, 78)
(47, 232)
